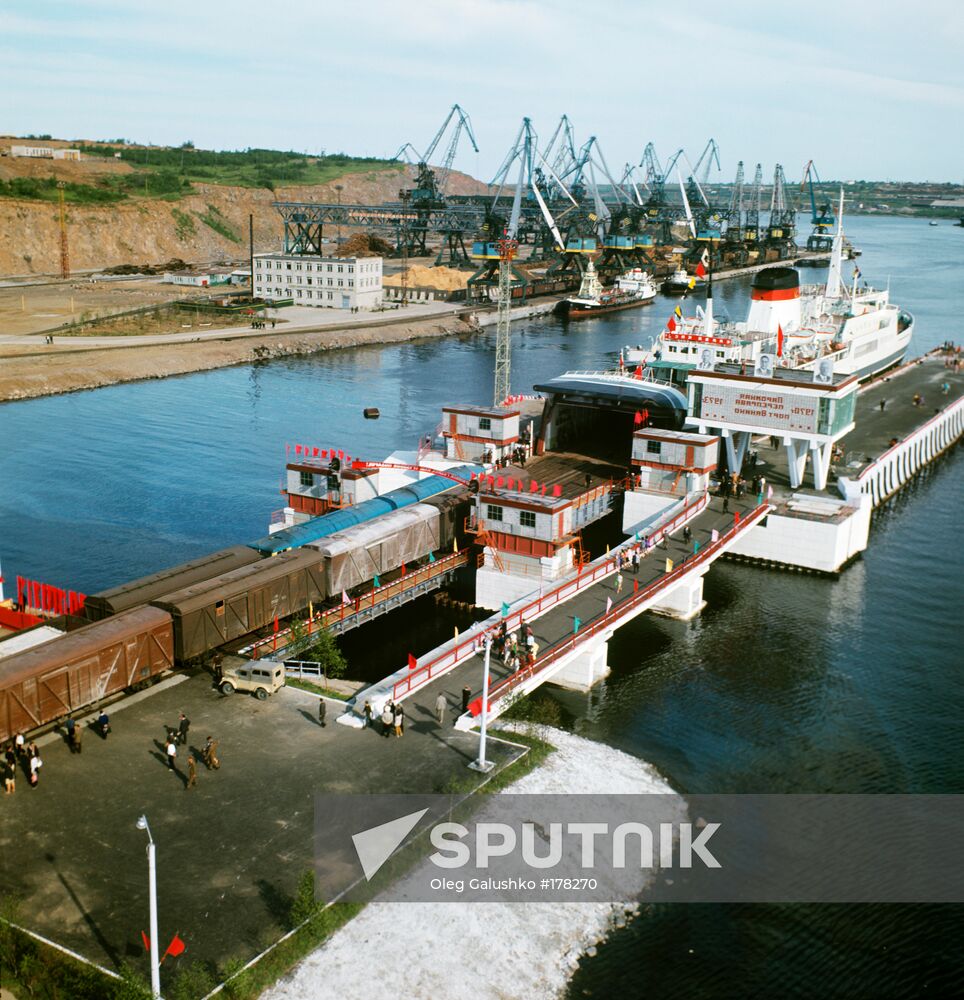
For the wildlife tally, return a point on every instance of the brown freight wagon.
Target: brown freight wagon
(149, 588)
(45, 683)
(230, 606)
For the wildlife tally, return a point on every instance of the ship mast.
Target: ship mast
(834, 276)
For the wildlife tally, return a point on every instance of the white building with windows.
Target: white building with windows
(328, 282)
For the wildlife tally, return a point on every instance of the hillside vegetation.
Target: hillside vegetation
(150, 204)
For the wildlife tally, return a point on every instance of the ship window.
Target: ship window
(527, 518)
(653, 447)
(485, 423)
(720, 354)
(493, 513)
(307, 479)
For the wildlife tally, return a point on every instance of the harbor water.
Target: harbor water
(785, 683)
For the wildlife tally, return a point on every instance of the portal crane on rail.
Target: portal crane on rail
(821, 217)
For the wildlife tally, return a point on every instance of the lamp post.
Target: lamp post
(152, 889)
(482, 764)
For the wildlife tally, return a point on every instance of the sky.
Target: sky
(868, 90)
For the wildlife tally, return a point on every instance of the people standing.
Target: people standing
(388, 719)
(35, 764)
(322, 712)
(398, 719)
(636, 562)
(183, 725)
(619, 583)
(466, 697)
(209, 754)
(19, 744)
(171, 753)
(9, 778)
(368, 713)
(726, 503)
(440, 705)
(103, 723)
(71, 726)
(78, 746)
(191, 773)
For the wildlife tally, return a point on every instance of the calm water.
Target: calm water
(784, 684)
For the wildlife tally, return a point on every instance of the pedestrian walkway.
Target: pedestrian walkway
(556, 626)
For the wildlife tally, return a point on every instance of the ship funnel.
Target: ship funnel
(775, 302)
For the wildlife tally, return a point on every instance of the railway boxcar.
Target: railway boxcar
(66, 674)
(149, 588)
(454, 507)
(229, 606)
(361, 553)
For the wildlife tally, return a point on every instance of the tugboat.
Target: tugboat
(677, 283)
(634, 288)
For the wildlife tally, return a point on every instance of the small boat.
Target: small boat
(632, 288)
(676, 284)
(371, 413)
(933, 222)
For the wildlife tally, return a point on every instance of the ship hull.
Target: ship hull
(576, 311)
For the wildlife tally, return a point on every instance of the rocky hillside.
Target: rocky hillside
(208, 224)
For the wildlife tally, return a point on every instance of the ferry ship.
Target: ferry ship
(633, 288)
(854, 328)
(677, 283)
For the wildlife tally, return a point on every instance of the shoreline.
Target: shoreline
(532, 949)
(33, 376)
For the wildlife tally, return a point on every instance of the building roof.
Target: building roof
(614, 388)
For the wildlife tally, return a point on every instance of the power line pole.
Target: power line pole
(503, 345)
(64, 251)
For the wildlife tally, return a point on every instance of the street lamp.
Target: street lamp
(152, 889)
(482, 764)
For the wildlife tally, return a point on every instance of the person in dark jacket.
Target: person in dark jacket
(183, 725)
(103, 724)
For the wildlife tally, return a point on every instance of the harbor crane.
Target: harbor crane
(700, 174)
(751, 224)
(734, 246)
(783, 217)
(821, 217)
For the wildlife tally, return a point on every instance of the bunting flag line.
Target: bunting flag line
(376, 582)
(669, 565)
(609, 605)
(678, 312)
(431, 559)
(635, 586)
(576, 622)
(714, 535)
(412, 662)
(505, 609)
(700, 270)
(345, 599)
(671, 324)
(779, 340)
(175, 948)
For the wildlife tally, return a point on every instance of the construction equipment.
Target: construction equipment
(751, 225)
(735, 249)
(64, 251)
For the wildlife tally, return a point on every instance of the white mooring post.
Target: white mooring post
(482, 764)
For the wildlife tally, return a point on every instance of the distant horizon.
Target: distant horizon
(873, 92)
(138, 144)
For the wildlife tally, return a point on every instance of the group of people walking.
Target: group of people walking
(20, 753)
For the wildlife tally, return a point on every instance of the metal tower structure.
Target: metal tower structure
(781, 228)
(508, 246)
(64, 250)
(751, 226)
(821, 216)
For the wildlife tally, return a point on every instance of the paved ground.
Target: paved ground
(875, 428)
(293, 319)
(557, 624)
(230, 851)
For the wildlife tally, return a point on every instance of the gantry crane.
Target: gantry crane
(781, 227)
(821, 217)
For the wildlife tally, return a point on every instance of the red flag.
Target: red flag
(403, 569)
(146, 940)
(638, 418)
(700, 270)
(341, 454)
(635, 586)
(557, 490)
(645, 415)
(533, 486)
(276, 623)
(779, 341)
(510, 483)
(500, 482)
(175, 948)
(543, 490)
(671, 325)
(639, 372)
(297, 449)
(412, 662)
(314, 452)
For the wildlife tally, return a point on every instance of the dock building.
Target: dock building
(316, 280)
